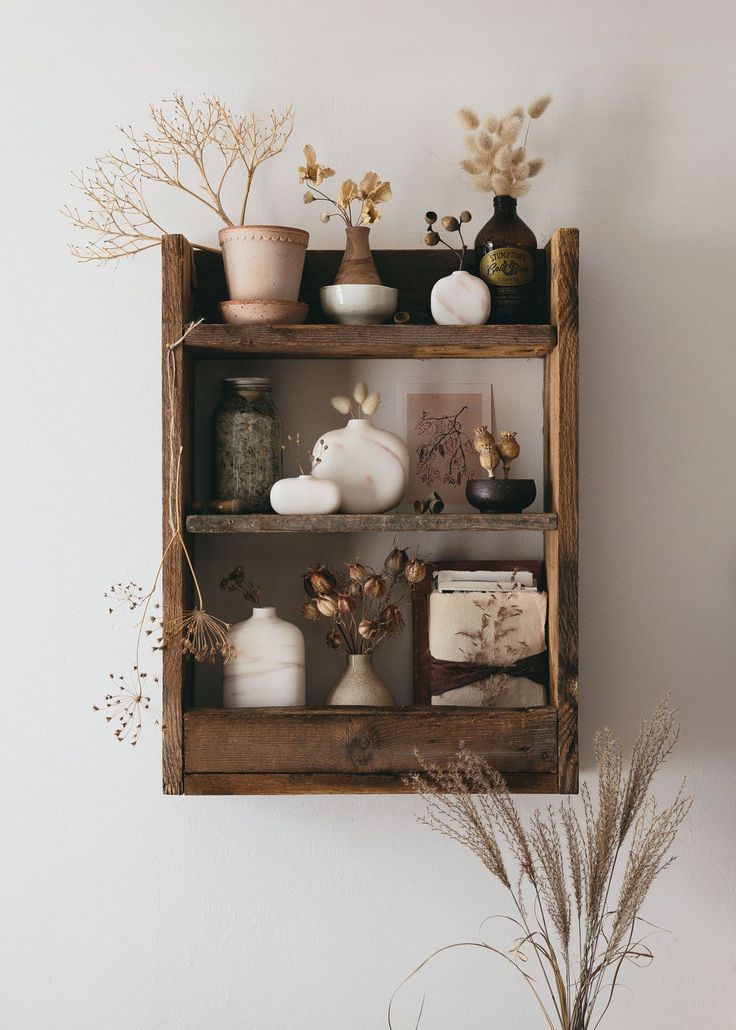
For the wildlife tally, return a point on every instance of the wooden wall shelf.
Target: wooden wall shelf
(391, 523)
(276, 751)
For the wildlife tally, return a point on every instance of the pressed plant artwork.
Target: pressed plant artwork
(577, 880)
(497, 162)
(367, 194)
(361, 606)
(197, 149)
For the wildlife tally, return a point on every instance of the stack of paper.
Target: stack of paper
(449, 581)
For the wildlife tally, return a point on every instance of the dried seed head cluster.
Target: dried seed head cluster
(361, 403)
(236, 580)
(497, 163)
(563, 888)
(362, 606)
(125, 704)
(293, 446)
(450, 224)
(200, 635)
(190, 147)
(370, 192)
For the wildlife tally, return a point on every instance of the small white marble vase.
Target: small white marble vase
(268, 668)
(370, 465)
(460, 299)
(305, 495)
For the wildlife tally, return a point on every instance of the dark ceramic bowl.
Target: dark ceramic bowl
(500, 496)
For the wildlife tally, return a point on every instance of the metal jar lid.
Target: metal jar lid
(246, 383)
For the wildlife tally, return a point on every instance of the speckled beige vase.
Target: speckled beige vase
(360, 684)
(263, 262)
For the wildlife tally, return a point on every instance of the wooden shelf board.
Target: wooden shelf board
(391, 523)
(372, 341)
(336, 750)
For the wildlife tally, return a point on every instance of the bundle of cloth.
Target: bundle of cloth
(487, 648)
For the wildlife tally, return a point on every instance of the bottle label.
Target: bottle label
(507, 266)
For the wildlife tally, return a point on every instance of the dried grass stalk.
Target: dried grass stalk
(495, 163)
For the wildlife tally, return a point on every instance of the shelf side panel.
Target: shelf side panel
(561, 496)
(176, 268)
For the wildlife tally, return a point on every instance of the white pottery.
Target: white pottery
(268, 667)
(358, 304)
(460, 299)
(263, 262)
(305, 495)
(370, 465)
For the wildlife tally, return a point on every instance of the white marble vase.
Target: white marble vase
(305, 495)
(268, 668)
(460, 299)
(370, 465)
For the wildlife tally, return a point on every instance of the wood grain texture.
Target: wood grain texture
(334, 783)
(358, 740)
(372, 341)
(420, 615)
(391, 523)
(176, 271)
(561, 496)
(412, 272)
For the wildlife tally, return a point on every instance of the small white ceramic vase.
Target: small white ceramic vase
(370, 465)
(305, 495)
(263, 262)
(268, 667)
(460, 299)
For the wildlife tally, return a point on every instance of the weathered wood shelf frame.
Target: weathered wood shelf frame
(356, 750)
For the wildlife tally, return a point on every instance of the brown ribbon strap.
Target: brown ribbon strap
(445, 676)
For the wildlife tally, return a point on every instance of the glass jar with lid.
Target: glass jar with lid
(247, 444)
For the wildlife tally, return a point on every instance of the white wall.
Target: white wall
(126, 910)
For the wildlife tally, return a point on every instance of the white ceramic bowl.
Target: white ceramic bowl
(352, 304)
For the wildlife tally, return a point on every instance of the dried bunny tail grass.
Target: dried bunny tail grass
(484, 163)
(519, 189)
(510, 129)
(518, 112)
(537, 107)
(501, 184)
(491, 123)
(341, 404)
(521, 170)
(518, 155)
(502, 158)
(360, 392)
(535, 167)
(486, 141)
(468, 118)
(483, 183)
(371, 404)
(471, 167)
(471, 142)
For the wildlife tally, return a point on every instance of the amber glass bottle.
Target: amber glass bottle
(506, 257)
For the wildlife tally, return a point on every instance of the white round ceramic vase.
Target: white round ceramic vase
(305, 495)
(370, 465)
(460, 299)
(268, 667)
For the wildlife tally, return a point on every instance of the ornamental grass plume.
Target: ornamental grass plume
(577, 882)
(497, 163)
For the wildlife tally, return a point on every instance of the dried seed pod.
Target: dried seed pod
(375, 586)
(430, 217)
(333, 639)
(310, 610)
(391, 618)
(482, 439)
(319, 580)
(509, 449)
(356, 571)
(465, 216)
(489, 459)
(415, 571)
(396, 562)
(346, 604)
(367, 629)
(432, 238)
(450, 223)
(327, 606)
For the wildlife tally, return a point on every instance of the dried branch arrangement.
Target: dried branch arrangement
(199, 634)
(361, 606)
(302, 460)
(577, 883)
(192, 148)
(370, 192)
(361, 403)
(449, 224)
(497, 163)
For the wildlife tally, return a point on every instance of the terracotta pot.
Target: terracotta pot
(360, 684)
(263, 262)
(357, 265)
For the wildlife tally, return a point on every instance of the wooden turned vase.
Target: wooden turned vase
(357, 267)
